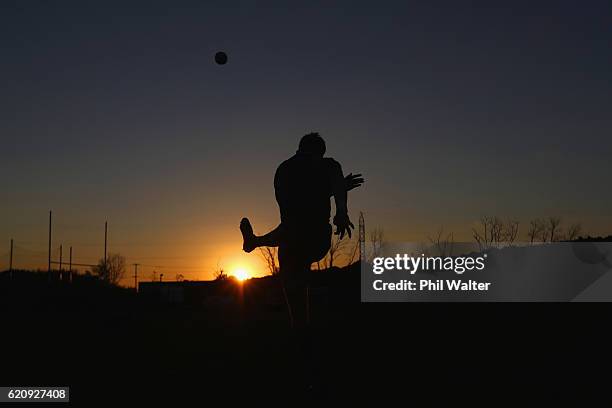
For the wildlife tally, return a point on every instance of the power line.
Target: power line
(74, 264)
(51, 253)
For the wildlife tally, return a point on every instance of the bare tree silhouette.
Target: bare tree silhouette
(270, 257)
(492, 231)
(511, 230)
(482, 234)
(353, 253)
(335, 251)
(111, 269)
(219, 273)
(496, 227)
(554, 232)
(443, 246)
(377, 240)
(573, 231)
(537, 227)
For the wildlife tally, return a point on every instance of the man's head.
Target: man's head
(313, 144)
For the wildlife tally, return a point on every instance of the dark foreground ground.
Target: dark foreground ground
(113, 347)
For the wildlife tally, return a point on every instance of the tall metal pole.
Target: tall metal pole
(105, 239)
(11, 260)
(70, 270)
(50, 224)
(362, 253)
(136, 277)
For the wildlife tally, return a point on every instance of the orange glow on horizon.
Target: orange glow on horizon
(241, 274)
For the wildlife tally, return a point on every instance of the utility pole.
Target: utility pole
(60, 264)
(50, 223)
(362, 254)
(105, 239)
(70, 270)
(136, 277)
(11, 260)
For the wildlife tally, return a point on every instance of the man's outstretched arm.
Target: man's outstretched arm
(339, 190)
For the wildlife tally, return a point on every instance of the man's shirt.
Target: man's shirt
(303, 186)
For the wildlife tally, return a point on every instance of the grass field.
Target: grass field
(112, 346)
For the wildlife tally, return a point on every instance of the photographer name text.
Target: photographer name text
(413, 264)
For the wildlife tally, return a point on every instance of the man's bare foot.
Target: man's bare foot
(248, 237)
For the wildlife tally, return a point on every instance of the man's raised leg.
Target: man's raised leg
(250, 241)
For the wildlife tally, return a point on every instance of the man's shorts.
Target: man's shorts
(300, 247)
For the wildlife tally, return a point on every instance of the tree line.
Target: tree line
(491, 231)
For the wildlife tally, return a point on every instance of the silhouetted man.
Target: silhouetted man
(303, 186)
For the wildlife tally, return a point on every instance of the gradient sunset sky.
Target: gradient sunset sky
(117, 112)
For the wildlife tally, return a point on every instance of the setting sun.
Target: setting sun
(241, 274)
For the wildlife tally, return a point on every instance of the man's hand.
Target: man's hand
(343, 225)
(353, 181)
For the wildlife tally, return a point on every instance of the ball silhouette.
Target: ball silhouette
(221, 58)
